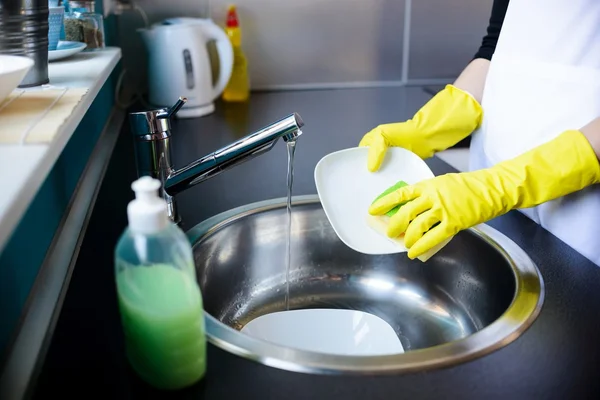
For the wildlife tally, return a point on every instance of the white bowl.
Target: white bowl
(331, 331)
(12, 71)
(347, 188)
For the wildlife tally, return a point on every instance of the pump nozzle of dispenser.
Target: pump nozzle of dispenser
(148, 212)
(145, 188)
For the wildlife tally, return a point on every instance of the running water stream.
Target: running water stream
(291, 149)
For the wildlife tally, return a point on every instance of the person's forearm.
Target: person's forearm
(472, 78)
(592, 133)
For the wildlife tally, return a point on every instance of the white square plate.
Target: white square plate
(347, 188)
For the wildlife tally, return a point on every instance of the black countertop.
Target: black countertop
(557, 357)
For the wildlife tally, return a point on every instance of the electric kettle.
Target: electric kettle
(179, 64)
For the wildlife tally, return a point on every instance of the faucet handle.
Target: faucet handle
(145, 124)
(173, 110)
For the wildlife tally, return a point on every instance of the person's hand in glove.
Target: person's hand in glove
(450, 116)
(458, 201)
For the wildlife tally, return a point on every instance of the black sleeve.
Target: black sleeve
(488, 44)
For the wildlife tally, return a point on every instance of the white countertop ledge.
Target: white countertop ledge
(23, 168)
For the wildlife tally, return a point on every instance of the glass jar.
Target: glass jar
(83, 24)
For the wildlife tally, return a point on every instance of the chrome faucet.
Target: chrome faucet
(152, 135)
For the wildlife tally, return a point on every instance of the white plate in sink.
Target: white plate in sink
(347, 188)
(331, 331)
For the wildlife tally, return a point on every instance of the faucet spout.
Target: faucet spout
(234, 154)
(152, 135)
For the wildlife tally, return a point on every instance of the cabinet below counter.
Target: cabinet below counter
(49, 169)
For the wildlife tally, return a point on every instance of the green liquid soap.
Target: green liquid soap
(163, 322)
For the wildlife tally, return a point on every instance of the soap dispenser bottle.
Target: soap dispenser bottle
(159, 297)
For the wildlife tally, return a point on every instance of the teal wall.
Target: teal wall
(25, 251)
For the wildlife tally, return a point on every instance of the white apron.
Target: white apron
(544, 78)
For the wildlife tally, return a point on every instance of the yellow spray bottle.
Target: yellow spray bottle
(238, 88)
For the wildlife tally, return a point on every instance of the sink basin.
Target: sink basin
(478, 294)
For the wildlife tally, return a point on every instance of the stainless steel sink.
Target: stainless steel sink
(478, 294)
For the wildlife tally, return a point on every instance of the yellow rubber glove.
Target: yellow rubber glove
(459, 201)
(450, 116)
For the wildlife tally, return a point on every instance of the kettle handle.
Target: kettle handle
(225, 51)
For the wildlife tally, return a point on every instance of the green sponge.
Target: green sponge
(380, 224)
(389, 190)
